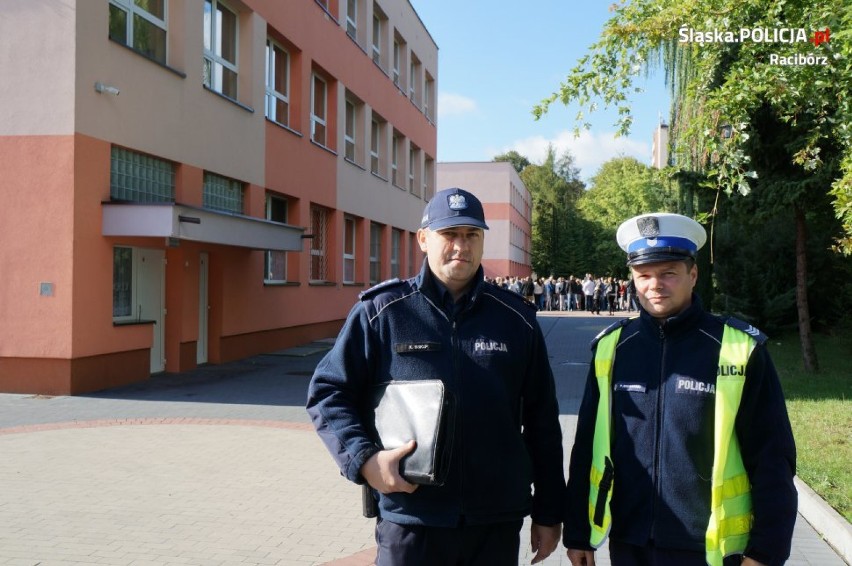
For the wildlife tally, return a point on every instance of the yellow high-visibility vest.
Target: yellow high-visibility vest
(731, 514)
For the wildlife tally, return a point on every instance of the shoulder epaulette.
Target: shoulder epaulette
(755, 333)
(376, 289)
(610, 328)
(509, 293)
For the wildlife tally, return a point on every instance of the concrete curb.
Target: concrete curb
(825, 520)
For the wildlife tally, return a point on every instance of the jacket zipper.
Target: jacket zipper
(658, 433)
(454, 340)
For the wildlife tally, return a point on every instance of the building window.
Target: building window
(397, 59)
(140, 178)
(414, 170)
(122, 283)
(396, 175)
(396, 242)
(375, 146)
(414, 79)
(428, 176)
(276, 261)
(319, 101)
(220, 48)
(429, 97)
(140, 25)
(375, 253)
(277, 83)
(349, 235)
(352, 18)
(222, 193)
(349, 132)
(377, 36)
(319, 244)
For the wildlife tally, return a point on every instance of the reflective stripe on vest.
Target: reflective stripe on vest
(731, 511)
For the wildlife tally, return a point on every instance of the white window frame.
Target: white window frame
(375, 146)
(315, 118)
(350, 129)
(413, 68)
(395, 160)
(272, 72)
(375, 275)
(349, 237)
(397, 60)
(210, 51)
(267, 276)
(377, 39)
(352, 18)
(132, 9)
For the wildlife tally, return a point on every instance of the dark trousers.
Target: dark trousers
(467, 545)
(621, 554)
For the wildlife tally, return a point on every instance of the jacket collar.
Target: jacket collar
(438, 293)
(681, 322)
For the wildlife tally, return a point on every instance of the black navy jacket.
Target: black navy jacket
(490, 353)
(663, 399)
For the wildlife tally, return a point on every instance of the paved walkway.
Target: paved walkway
(219, 466)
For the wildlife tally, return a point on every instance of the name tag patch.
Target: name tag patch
(414, 347)
(630, 387)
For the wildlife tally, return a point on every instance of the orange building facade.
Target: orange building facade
(197, 181)
(508, 213)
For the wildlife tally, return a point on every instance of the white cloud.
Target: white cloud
(590, 150)
(454, 105)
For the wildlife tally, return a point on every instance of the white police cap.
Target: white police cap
(661, 236)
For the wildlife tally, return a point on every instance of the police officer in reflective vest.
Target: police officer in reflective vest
(684, 453)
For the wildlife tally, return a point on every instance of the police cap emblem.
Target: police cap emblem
(649, 226)
(457, 202)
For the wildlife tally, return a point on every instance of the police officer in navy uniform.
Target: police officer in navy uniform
(684, 453)
(485, 344)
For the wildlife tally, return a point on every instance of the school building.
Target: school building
(197, 181)
(508, 212)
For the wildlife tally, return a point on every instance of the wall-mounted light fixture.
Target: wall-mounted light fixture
(102, 88)
(727, 131)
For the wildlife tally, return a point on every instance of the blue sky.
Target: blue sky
(497, 59)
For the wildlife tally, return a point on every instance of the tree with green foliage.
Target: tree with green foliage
(518, 161)
(554, 186)
(732, 94)
(622, 188)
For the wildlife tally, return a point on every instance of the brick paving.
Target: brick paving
(219, 466)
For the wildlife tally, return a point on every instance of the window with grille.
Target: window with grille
(222, 193)
(276, 261)
(277, 83)
(319, 244)
(140, 24)
(318, 110)
(140, 178)
(122, 282)
(220, 48)
(349, 235)
(396, 242)
(375, 253)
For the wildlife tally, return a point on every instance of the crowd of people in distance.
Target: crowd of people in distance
(592, 294)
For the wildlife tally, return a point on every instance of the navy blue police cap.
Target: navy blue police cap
(454, 207)
(661, 236)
